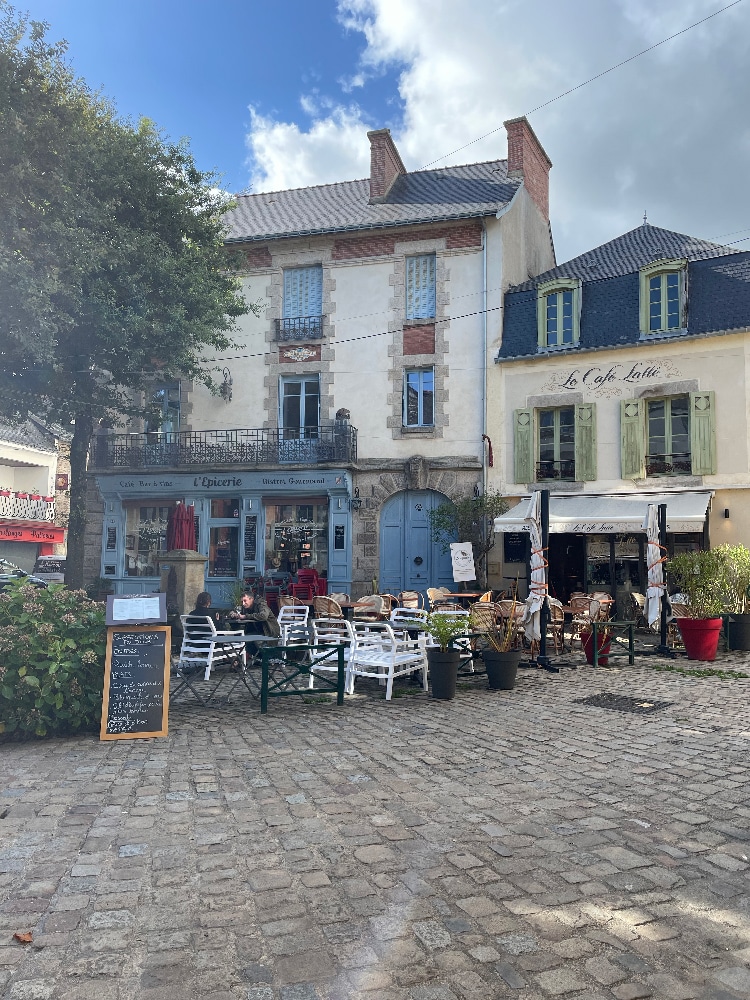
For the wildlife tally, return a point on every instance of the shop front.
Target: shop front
(598, 543)
(246, 524)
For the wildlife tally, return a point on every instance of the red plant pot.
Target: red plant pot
(700, 636)
(35, 496)
(22, 496)
(603, 643)
(4, 493)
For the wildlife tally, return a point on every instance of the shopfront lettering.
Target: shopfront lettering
(207, 482)
(145, 484)
(609, 380)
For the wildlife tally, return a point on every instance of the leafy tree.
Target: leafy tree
(469, 520)
(113, 271)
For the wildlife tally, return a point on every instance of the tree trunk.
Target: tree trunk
(79, 455)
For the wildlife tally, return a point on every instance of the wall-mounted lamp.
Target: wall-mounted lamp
(726, 513)
(356, 500)
(226, 387)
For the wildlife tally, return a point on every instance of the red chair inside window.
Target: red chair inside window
(303, 591)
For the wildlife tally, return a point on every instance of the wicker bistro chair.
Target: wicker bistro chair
(436, 595)
(556, 623)
(326, 607)
(286, 601)
(585, 610)
(605, 604)
(637, 609)
(411, 599)
(369, 608)
(508, 607)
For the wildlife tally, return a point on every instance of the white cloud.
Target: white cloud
(662, 133)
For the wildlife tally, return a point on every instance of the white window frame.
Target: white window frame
(301, 432)
(660, 269)
(421, 371)
(557, 287)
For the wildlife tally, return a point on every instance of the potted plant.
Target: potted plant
(736, 594)
(702, 577)
(603, 645)
(502, 650)
(443, 658)
(99, 588)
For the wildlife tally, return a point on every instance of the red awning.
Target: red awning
(11, 531)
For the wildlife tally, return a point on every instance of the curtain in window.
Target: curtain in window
(303, 292)
(420, 287)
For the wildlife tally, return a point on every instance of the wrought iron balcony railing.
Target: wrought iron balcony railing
(678, 464)
(556, 470)
(248, 446)
(26, 506)
(299, 328)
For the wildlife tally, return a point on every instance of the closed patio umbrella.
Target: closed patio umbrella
(538, 581)
(181, 528)
(655, 558)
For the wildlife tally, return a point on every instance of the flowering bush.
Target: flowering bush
(52, 648)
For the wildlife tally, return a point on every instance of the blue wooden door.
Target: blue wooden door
(409, 558)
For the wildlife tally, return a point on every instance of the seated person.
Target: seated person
(258, 619)
(196, 625)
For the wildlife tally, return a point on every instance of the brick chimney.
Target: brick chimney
(527, 159)
(385, 164)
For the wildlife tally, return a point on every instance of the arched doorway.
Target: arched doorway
(409, 558)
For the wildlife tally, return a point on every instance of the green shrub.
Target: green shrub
(52, 649)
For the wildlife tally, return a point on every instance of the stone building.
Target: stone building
(357, 398)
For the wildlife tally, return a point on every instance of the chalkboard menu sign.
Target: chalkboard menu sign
(136, 682)
(514, 543)
(251, 531)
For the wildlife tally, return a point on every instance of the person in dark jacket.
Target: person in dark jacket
(257, 618)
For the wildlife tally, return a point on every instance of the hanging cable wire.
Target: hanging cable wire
(585, 83)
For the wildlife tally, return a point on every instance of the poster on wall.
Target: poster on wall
(462, 558)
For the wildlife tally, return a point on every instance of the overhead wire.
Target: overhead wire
(591, 79)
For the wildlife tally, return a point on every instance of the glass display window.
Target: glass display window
(296, 535)
(222, 510)
(145, 535)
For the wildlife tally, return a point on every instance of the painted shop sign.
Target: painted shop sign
(613, 379)
(188, 484)
(13, 533)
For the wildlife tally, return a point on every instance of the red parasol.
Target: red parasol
(181, 528)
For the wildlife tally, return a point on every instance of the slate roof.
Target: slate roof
(29, 434)
(461, 192)
(629, 253)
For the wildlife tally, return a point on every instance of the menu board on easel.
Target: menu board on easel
(135, 702)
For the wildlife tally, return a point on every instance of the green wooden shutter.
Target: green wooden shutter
(703, 433)
(523, 446)
(585, 441)
(633, 438)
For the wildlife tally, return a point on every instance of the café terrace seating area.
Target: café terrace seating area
(375, 644)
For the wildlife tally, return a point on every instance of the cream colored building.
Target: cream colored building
(621, 379)
(356, 399)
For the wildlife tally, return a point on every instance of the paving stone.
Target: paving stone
(736, 977)
(631, 991)
(558, 982)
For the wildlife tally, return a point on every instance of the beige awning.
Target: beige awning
(623, 514)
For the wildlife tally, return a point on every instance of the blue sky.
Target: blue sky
(280, 94)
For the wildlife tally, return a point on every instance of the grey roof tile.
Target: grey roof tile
(467, 191)
(28, 434)
(628, 253)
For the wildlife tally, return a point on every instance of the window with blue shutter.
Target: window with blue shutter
(420, 287)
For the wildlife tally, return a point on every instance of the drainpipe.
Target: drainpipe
(484, 354)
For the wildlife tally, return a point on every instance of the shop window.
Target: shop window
(296, 534)
(663, 298)
(556, 443)
(145, 536)
(419, 397)
(558, 313)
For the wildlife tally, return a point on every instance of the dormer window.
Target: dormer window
(558, 309)
(663, 297)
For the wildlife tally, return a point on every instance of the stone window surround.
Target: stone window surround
(400, 361)
(303, 257)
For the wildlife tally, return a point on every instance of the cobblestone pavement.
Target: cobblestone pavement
(505, 844)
